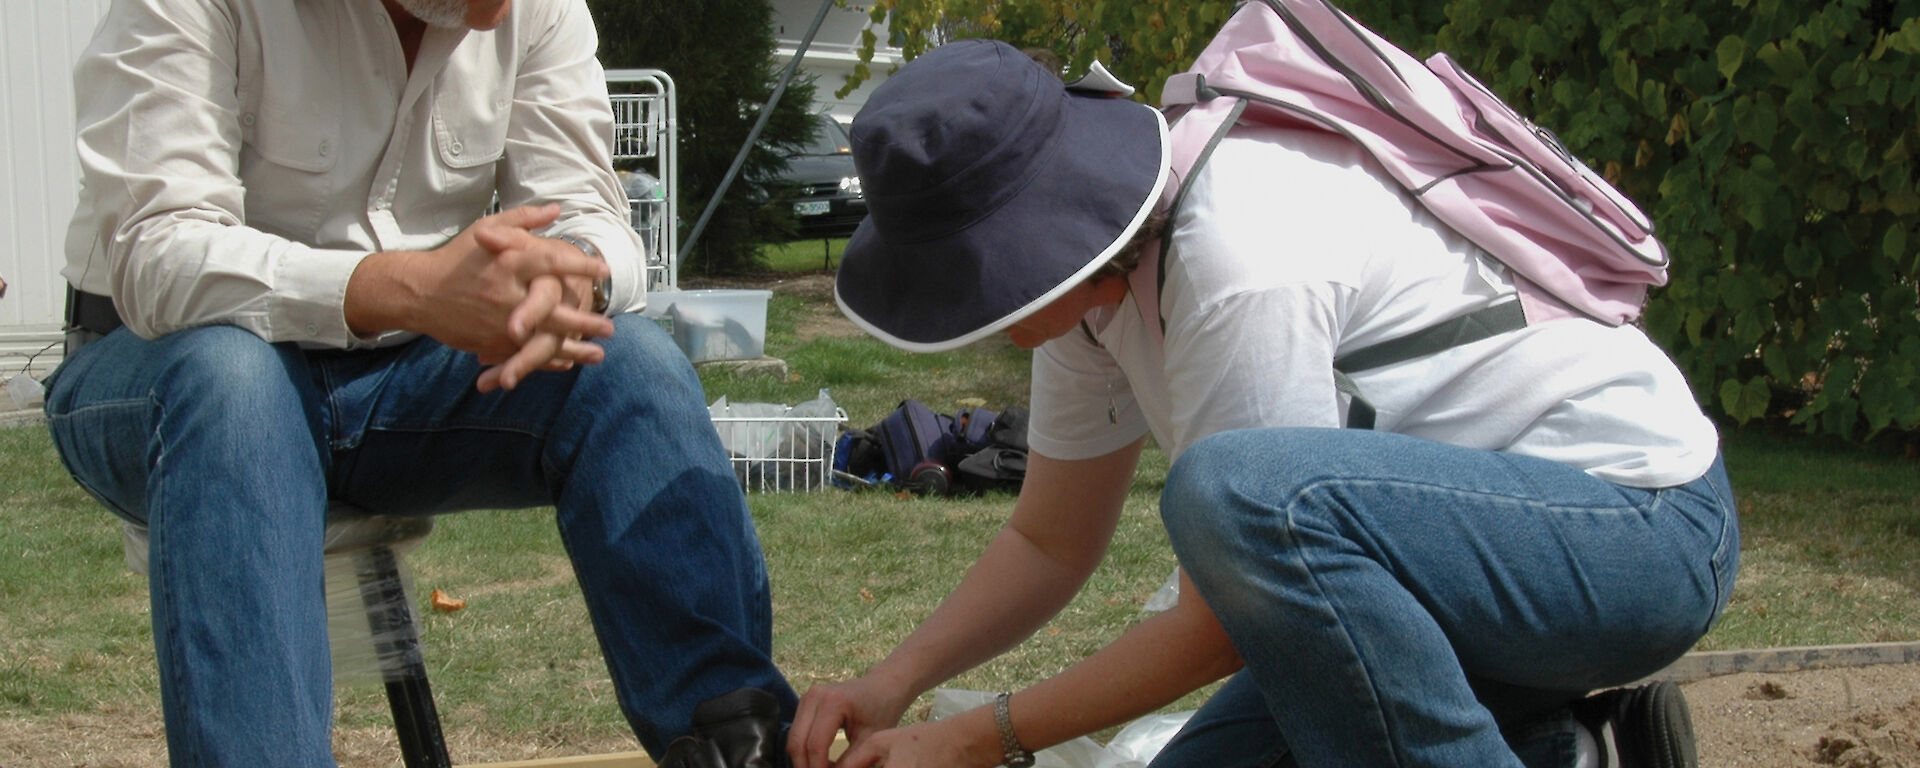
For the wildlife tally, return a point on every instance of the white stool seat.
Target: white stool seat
(349, 529)
(370, 619)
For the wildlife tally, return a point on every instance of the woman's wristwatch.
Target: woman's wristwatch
(603, 287)
(1015, 756)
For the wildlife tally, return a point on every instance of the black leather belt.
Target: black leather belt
(91, 312)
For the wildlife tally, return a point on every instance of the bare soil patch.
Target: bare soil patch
(1860, 717)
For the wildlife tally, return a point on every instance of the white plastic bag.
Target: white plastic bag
(1167, 596)
(1133, 747)
(25, 392)
(749, 430)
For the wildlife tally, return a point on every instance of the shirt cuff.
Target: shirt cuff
(309, 302)
(619, 246)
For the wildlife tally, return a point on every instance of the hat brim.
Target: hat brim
(1080, 209)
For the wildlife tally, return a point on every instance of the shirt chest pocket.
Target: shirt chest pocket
(470, 130)
(286, 165)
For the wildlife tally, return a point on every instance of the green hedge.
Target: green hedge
(1772, 140)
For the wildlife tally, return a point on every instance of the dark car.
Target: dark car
(821, 184)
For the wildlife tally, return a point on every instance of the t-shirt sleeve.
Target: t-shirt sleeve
(1082, 404)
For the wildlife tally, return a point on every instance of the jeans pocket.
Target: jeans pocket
(60, 427)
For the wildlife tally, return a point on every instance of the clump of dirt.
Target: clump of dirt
(1876, 738)
(1767, 690)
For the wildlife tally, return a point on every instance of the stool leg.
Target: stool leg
(397, 643)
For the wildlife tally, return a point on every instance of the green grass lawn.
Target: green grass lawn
(1831, 533)
(804, 255)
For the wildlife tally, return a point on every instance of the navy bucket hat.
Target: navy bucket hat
(992, 188)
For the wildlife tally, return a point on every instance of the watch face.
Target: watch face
(1022, 760)
(602, 294)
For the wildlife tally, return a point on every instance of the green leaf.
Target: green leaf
(1907, 40)
(1538, 41)
(1745, 402)
(1894, 244)
(1731, 53)
(1800, 109)
(1902, 202)
(1840, 376)
(1748, 326)
(1653, 98)
(1775, 361)
(1757, 396)
(1756, 120)
(1786, 62)
(1520, 71)
(1855, 158)
(1731, 395)
(1877, 91)
(1802, 260)
(1841, 418)
(1626, 72)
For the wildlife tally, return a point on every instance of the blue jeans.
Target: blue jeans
(228, 449)
(1401, 602)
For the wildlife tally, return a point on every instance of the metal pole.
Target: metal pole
(766, 111)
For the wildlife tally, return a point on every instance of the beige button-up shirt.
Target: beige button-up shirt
(240, 157)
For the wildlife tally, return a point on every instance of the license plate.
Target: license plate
(810, 208)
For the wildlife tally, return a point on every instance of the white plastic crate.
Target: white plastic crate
(781, 452)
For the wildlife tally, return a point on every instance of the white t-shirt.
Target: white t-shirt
(1290, 247)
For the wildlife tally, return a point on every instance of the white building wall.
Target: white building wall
(833, 53)
(39, 41)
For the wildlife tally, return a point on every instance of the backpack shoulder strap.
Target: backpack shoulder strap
(1194, 133)
(1484, 323)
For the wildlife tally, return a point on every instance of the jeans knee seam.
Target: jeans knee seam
(1293, 546)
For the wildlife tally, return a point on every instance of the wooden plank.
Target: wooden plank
(1700, 665)
(614, 760)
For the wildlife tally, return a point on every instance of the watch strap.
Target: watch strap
(1014, 755)
(603, 287)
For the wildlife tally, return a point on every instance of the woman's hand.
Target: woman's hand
(859, 706)
(963, 741)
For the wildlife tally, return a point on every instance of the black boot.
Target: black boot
(692, 752)
(744, 727)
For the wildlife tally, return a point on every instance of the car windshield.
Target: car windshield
(828, 138)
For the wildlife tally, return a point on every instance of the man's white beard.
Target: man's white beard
(446, 14)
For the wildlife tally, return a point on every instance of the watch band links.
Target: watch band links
(603, 287)
(1014, 755)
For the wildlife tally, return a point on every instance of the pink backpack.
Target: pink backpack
(1575, 245)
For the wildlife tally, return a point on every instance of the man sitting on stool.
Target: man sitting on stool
(285, 297)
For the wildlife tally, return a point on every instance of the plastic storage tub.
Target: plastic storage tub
(716, 324)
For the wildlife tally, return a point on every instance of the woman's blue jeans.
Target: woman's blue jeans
(1402, 602)
(228, 449)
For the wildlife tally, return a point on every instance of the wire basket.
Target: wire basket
(781, 453)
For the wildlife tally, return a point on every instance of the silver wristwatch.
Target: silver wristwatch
(1015, 756)
(603, 287)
